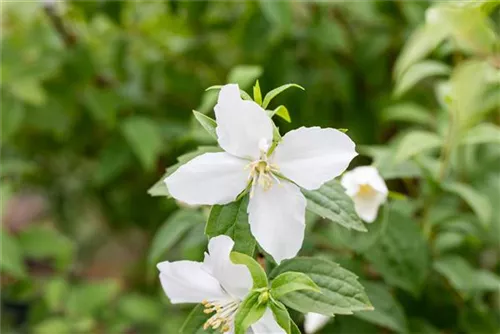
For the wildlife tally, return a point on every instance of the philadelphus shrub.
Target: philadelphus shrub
(260, 185)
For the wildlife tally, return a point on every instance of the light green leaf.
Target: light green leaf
(418, 72)
(55, 293)
(258, 274)
(331, 202)
(290, 282)
(275, 92)
(400, 254)
(341, 293)
(29, 90)
(408, 112)
(387, 311)
(477, 201)
(482, 134)
(282, 112)
(415, 142)
(244, 75)
(141, 309)
(465, 278)
(278, 13)
(12, 116)
(207, 123)
(232, 220)
(12, 257)
(88, 298)
(159, 188)
(54, 325)
(249, 312)
(257, 95)
(281, 315)
(174, 228)
(144, 137)
(195, 321)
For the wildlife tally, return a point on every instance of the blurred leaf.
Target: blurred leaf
(12, 257)
(278, 13)
(415, 142)
(54, 325)
(275, 92)
(56, 290)
(477, 201)
(232, 220)
(465, 278)
(331, 202)
(341, 293)
(207, 123)
(408, 112)
(143, 136)
(29, 91)
(174, 228)
(12, 117)
(418, 72)
(89, 297)
(140, 308)
(103, 105)
(244, 75)
(400, 254)
(478, 320)
(387, 311)
(481, 134)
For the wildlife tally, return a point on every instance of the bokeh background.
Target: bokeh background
(96, 103)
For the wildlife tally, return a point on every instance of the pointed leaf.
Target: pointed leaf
(415, 142)
(281, 315)
(207, 123)
(257, 95)
(290, 282)
(418, 72)
(249, 312)
(275, 92)
(476, 200)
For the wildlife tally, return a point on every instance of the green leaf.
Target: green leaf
(282, 112)
(275, 92)
(281, 315)
(55, 293)
(54, 325)
(244, 75)
(88, 298)
(232, 220)
(195, 321)
(174, 228)
(465, 278)
(290, 282)
(407, 112)
(331, 202)
(257, 95)
(29, 90)
(207, 123)
(477, 201)
(141, 309)
(278, 13)
(159, 188)
(12, 117)
(341, 293)
(244, 95)
(144, 137)
(12, 257)
(418, 72)
(482, 134)
(401, 254)
(387, 311)
(415, 142)
(102, 104)
(249, 312)
(258, 274)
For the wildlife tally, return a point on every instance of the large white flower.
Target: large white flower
(308, 157)
(218, 284)
(313, 322)
(367, 189)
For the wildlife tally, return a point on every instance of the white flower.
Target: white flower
(313, 322)
(308, 157)
(367, 189)
(218, 284)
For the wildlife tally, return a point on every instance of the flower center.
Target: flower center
(224, 314)
(262, 174)
(365, 190)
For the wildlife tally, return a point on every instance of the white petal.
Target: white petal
(367, 207)
(277, 219)
(241, 125)
(187, 282)
(234, 278)
(211, 178)
(267, 325)
(312, 156)
(363, 175)
(313, 322)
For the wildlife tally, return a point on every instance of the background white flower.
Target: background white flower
(217, 283)
(313, 322)
(367, 189)
(307, 156)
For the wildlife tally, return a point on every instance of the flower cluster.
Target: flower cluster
(272, 171)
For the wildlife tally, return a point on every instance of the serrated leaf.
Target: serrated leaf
(341, 293)
(477, 201)
(387, 311)
(249, 312)
(172, 230)
(482, 134)
(207, 123)
(400, 254)
(290, 282)
(144, 137)
(281, 315)
(331, 202)
(159, 188)
(232, 220)
(418, 72)
(275, 92)
(415, 142)
(259, 276)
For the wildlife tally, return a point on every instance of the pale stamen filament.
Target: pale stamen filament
(224, 312)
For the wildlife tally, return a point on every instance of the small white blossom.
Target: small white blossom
(367, 189)
(308, 157)
(313, 322)
(218, 284)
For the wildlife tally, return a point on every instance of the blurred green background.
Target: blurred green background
(96, 103)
